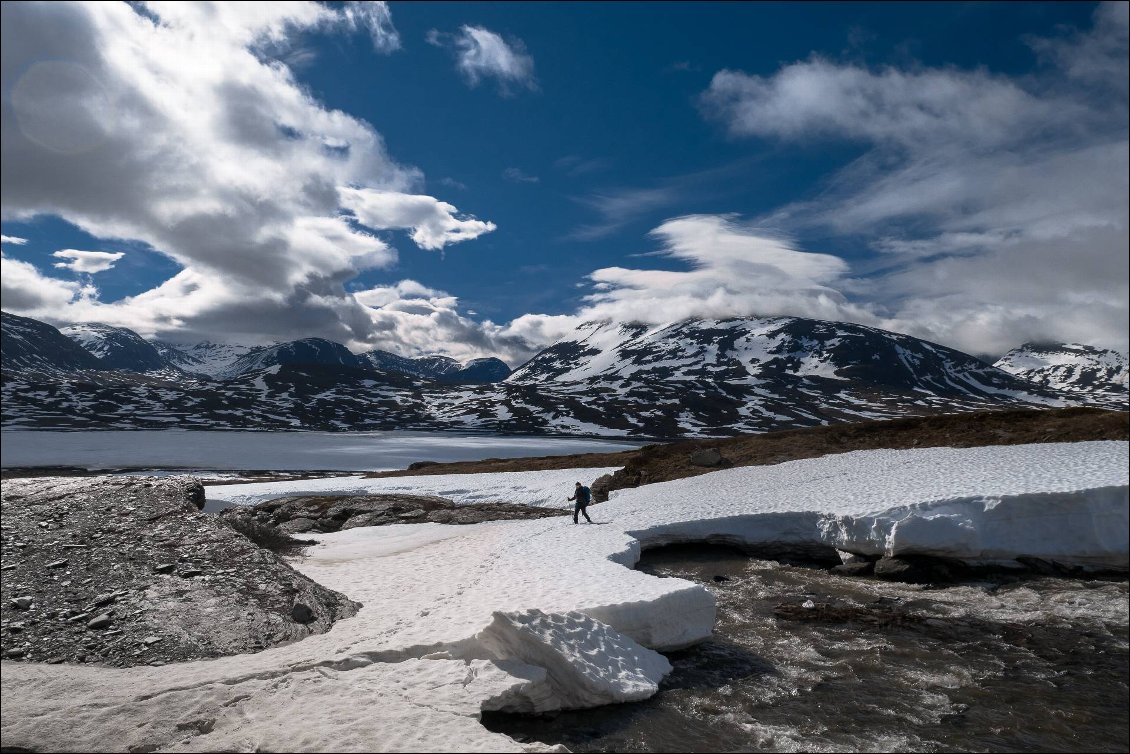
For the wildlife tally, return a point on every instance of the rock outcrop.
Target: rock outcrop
(300, 514)
(128, 570)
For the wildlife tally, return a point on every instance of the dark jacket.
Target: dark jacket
(583, 495)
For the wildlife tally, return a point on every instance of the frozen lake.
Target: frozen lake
(279, 451)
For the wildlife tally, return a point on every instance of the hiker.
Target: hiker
(582, 495)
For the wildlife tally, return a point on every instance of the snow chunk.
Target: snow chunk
(578, 661)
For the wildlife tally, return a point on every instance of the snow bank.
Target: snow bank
(574, 661)
(543, 614)
(542, 489)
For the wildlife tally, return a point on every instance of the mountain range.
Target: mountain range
(689, 378)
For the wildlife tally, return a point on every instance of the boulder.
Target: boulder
(913, 569)
(709, 457)
(302, 613)
(601, 488)
(298, 525)
(857, 568)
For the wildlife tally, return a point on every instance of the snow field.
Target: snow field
(542, 614)
(541, 489)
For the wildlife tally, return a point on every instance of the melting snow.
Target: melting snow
(544, 614)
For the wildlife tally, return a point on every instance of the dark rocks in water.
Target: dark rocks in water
(335, 513)
(721, 579)
(919, 569)
(1046, 567)
(835, 611)
(857, 568)
(167, 569)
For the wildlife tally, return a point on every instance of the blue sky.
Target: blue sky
(954, 170)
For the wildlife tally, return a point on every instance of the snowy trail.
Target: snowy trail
(542, 489)
(540, 614)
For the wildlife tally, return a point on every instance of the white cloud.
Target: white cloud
(24, 288)
(999, 203)
(376, 18)
(14, 240)
(517, 175)
(88, 262)
(481, 53)
(169, 124)
(433, 223)
(735, 270)
(415, 320)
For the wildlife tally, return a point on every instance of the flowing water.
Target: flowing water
(806, 660)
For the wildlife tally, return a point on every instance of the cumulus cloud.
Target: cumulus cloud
(14, 240)
(735, 269)
(415, 320)
(167, 123)
(26, 289)
(88, 262)
(483, 54)
(999, 203)
(433, 223)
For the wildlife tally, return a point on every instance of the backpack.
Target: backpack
(584, 496)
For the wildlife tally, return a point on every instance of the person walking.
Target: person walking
(582, 495)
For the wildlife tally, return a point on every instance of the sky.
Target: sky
(477, 179)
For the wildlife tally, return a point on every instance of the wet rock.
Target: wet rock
(1048, 567)
(915, 569)
(858, 568)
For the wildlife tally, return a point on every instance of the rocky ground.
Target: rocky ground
(128, 570)
(300, 514)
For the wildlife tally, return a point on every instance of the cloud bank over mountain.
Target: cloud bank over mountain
(990, 209)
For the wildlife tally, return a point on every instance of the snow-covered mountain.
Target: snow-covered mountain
(312, 351)
(1099, 374)
(118, 347)
(202, 358)
(441, 368)
(34, 346)
(701, 376)
(690, 378)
